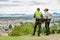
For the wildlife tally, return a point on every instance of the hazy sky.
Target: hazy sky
(28, 6)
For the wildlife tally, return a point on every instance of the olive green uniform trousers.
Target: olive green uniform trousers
(38, 22)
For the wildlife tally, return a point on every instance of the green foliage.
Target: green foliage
(43, 30)
(10, 26)
(58, 30)
(27, 28)
(23, 29)
(53, 28)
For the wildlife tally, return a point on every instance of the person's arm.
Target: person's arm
(50, 14)
(34, 15)
(42, 15)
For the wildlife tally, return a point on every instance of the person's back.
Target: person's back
(38, 17)
(47, 15)
(47, 18)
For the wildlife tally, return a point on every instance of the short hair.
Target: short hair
(38, 8)
(46, 9)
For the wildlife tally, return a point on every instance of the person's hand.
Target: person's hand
(43, 21)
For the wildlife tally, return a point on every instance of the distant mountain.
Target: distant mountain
(16, 16)
(24, 16)
(56, 15)
(12, 15)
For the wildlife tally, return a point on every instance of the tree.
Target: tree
(10, 26)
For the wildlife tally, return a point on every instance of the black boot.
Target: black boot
(38, 35)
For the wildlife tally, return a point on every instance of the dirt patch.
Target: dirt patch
(44, 37)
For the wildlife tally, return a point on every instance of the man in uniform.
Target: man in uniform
(38, 17)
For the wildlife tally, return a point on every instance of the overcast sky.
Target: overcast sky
(28, 6)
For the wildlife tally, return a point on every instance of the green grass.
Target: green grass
(11, 38)
(29, 37)
(21, 38)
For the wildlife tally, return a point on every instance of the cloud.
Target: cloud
(27, 6)
(31, 2)
(27, 2)
(21, 3)
(3, 4)
(4, 0)
(28, 9)
(59, 1)
(18, 9)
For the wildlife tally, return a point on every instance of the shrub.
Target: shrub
(22, 29)
(43, 30)
(53, 29)
(58, 30)
(10, 26)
